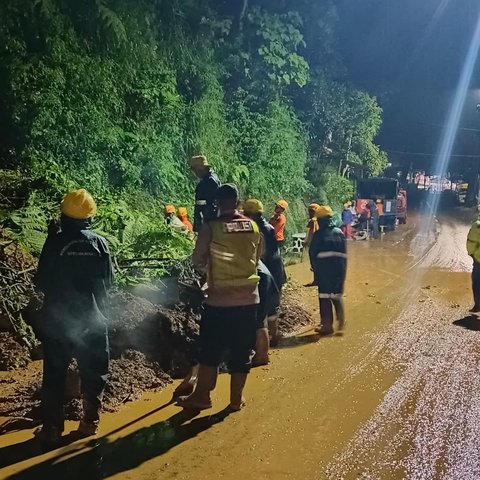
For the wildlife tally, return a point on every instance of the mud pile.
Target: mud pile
(292, 315)
(16, 282)
(12, 355)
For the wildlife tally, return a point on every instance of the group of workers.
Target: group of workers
(237, 252)
(370, 219)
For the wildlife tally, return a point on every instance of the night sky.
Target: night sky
(410, 54)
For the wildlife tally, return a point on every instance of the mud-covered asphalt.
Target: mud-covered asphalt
(397, 396)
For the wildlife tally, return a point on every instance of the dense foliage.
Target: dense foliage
(115, 95)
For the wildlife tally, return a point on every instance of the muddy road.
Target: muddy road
(397, 396)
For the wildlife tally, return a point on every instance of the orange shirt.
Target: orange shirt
(187, 223)
(278, 222)
(380, 209)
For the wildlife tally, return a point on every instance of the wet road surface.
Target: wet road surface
(397, 396)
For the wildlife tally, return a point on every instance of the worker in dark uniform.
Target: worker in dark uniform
(272, 259)
(269, 301)
(328, 255)
(74, 273)
(205, 205)
(374, 218)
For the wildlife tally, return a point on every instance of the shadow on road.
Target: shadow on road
(470, 322)
(105, 458)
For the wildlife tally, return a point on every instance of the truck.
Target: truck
(386, 193)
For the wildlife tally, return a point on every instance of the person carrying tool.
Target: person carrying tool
(279, 221)
(74, 273)
(182, 214)
(227, 250)
(205, 207)
(271, 258)
(347, 221)
(473, 249)
(328, 255)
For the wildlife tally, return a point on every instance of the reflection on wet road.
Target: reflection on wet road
(397, 396)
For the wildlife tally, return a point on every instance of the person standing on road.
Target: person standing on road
(269, 300)
(279, 221)
(374, 218)
(347, 221)
(273, 261)
(74, 273)
(205, 206)
(228, 250)
(328, 255)
(473, 249)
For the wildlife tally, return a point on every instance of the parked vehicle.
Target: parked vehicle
(385, 193)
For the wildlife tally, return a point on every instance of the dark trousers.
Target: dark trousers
(228, 329)
(476, 283)
(92, 355)
(326, 310)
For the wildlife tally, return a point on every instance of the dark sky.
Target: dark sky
(410, 54)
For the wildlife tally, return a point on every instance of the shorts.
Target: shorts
(228, 329)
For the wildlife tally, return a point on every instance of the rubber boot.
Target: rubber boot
(261, 348)
(187, 387)
(340, 312)
(200, 398)
(273, 330)
(237, 384)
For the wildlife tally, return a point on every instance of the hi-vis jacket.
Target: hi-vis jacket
(228, 250)
(328, 257)
(473, 241)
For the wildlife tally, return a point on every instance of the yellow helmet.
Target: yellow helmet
(79, 205)
(314, 206)
(199, 161)
(169, 209)
(252, 206)
(182, 212)
(324, 211)
(282, 204)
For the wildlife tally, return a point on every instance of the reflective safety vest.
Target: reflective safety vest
(233, 252)
(473, 241)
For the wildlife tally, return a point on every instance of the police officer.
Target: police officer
(74, 273)
(328, 256)
(228, 250)
(205, 206)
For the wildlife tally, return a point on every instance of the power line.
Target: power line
(423, 154)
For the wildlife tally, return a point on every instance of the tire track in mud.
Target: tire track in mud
(427, 425)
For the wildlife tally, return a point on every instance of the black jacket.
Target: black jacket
(74, 272)
(271, 257)
(328, 256)
(268, 292)
(205, 206)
